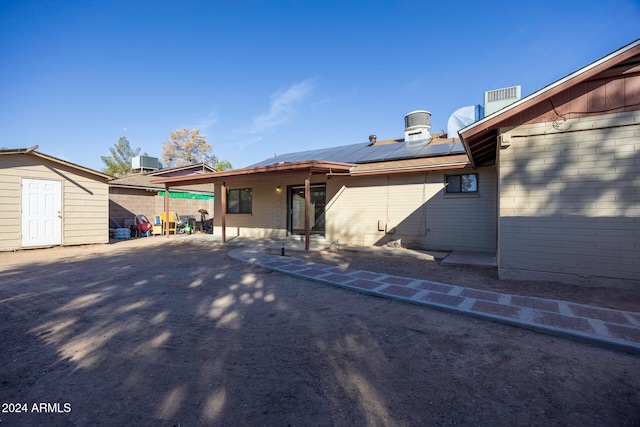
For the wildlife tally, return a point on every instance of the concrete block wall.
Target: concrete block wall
(126, 203)
(570, 199)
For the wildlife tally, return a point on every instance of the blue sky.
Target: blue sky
(265, 77)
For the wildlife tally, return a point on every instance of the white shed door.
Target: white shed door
(41, 212)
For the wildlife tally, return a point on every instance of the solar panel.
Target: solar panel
(366, 153)
(374, 154)
(458, 148)
(434, 150)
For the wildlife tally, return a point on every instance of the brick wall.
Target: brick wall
(126, 203)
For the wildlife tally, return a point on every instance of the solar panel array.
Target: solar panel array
(366, 153)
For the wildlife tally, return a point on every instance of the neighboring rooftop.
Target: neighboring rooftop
(143, 180)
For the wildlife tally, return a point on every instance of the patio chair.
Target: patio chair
(173, 222)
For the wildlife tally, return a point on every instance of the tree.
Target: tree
(119, 163)
(187, 147)
(223, 165)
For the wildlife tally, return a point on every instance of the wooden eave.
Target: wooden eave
(454, 161)
(480, 138)
(308, 167)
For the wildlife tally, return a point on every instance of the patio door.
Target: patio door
(41, 212)
(318, 197)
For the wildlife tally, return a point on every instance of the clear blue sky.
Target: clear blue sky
(265, 77)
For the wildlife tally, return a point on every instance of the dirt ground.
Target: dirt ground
(174, 332)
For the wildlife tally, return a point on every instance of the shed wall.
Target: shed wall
(84, 200)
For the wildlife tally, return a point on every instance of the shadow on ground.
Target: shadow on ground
(178, 333)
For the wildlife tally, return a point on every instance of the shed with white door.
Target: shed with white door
(46, 201)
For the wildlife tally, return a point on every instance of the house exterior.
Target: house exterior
(46, 201)
(550, 183)
(568, 174)
(371, 204)
(135, 194)
(362, 194)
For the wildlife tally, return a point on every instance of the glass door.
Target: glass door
(316, 212)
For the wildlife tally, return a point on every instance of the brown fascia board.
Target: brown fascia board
(312, 166)
(409, 169)
(592, 70)
(31, 151)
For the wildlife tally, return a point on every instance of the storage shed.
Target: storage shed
(46, 201)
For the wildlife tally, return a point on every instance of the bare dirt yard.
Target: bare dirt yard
(174, 332)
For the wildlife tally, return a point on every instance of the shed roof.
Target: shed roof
(32, 152)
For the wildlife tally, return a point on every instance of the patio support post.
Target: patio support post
(307, 208)
(166, 210)
(223, 213)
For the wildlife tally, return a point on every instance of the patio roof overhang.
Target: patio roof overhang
(308, 167)
(302, 169)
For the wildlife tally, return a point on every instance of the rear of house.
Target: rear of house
(419, 189)
(367, 210)
(47, 201)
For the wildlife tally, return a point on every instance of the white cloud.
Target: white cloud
(282, 106)
(206, 122)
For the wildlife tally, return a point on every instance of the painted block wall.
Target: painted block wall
(570, 199)
(373, 210)
(269, 207)
(414, 208)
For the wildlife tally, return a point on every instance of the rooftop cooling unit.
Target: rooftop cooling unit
(417, 125)
(144, 163)
(497, 99)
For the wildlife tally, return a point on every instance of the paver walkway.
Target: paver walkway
(612, 328)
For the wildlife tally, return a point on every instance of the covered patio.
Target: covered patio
(302, 170)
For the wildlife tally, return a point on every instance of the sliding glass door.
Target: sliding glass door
(317, 198)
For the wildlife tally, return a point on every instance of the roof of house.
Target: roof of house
(480, 138)
(377, 152)
(380, 157)
(32, 152)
